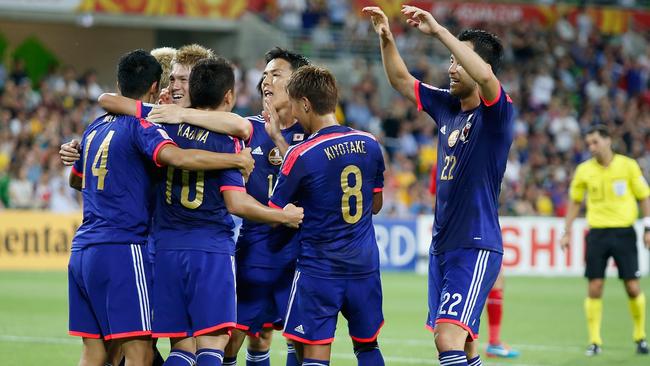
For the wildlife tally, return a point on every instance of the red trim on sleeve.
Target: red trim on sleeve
(84, 334)
(237, 146)
(232, 188)
(471, 335)
(128, 335)
(157, 150)
(378, 189)
(138, 109)
(144, 123)
(493, 102)
(214, 329)
(77, 173)
(307, 341)
(417, 94)
(371, 339)
(169, 335)
(273, 205)
(250, 137)
(428, 327)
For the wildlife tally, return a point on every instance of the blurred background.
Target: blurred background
(568, 65)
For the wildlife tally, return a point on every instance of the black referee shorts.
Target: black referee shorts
(619, 243)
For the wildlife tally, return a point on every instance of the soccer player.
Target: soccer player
(475, 117)
(108, 278)
(194, 291)
(265, 256)
(336, 175)
(613, 184)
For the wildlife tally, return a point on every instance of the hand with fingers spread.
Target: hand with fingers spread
(69, 152)
(379, 20)
(422, 20)
(166, 113)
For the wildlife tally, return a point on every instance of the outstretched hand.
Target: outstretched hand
(421, 19)
(166, 113)
(379, 20)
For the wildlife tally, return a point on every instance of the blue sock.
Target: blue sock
(255, 358)
(370, 358)
(455, 358)
(312, 362)
(476, 361)
(229, 361)
(180, 358)
(292, 359)
(209, 357)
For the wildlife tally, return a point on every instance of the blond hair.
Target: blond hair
(164, 56)
(191, 54)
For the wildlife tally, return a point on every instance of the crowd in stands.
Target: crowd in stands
(562, 79)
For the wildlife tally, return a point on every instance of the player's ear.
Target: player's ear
(230, 97)
(306, 104)
(153, 89)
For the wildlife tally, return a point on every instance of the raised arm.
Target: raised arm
(194, 159)
(398, 75)
(226, 123)
(479, 70)
(118, 104)
(241, 204)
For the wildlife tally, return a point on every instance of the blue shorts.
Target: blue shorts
(459, 283)
(108, 291)
(315, 303)
(194, 293)
(262, 297)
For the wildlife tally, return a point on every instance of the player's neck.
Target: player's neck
(286, 119)
(470, 102)
(320, 122)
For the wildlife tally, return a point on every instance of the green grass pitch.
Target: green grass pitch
(543, 318)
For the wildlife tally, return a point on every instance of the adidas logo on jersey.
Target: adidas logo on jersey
(299, 329)
(443, 130)
(257, 151)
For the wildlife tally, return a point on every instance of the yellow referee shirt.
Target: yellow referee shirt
(612, 192)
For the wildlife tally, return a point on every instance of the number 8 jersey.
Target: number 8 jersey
(333, 176)
(116, 168)
(473, 150)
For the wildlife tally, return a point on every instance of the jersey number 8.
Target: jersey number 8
(349, 192)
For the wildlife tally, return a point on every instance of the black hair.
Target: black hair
(136, 72)
(600, 129)
(296, 60)
(486, 45)
(210, 80)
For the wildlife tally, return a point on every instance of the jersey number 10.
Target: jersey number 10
(185, 189)
(351, 191)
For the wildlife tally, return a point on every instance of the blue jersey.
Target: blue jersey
(333, 175)
(116, 165)
(473, 150)
(190, 210)
(260, 244)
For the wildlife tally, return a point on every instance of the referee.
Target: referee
(613, 183)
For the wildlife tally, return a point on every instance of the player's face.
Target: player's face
(461, 84)
(597, 144)
(274, 82)
(179, 83)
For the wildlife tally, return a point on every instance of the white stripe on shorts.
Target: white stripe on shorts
(292, 295)
(475, 286)
(145, 291)
(141, 286)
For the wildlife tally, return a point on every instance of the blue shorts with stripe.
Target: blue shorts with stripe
(459, 283)
(194, 293)
(262, 296)
(315, 303)
(108, 287)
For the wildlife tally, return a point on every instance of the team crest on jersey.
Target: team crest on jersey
(298, 137)
(274, 156)
(464, 134)
(453, 138)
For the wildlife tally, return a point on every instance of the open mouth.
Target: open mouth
(177, 96)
